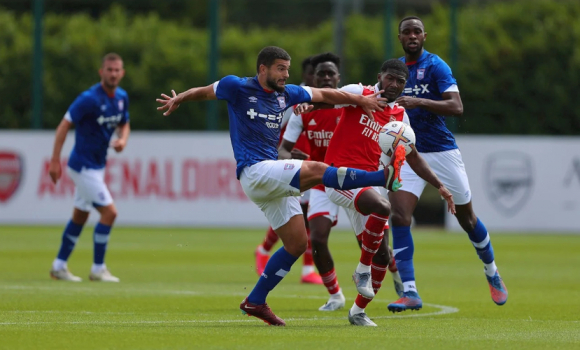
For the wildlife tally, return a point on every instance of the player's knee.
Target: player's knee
(382, 207)
(467, 224)
(318, 239)
(297, 248)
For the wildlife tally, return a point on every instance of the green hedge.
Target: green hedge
(518, 70)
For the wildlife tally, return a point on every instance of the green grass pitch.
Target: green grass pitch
(180, 289)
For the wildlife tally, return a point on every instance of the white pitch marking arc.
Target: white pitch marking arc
(442, 310)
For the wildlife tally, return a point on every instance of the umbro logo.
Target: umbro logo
(252, 99)
(312, 122)
(353, 174)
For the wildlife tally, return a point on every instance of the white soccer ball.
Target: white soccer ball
(394, 134)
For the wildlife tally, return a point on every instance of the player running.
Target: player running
(255, 109)
(96, 114)
(431, 93)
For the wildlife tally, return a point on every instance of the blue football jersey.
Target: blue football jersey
(95, 116)
(429, 77)
(255, 116)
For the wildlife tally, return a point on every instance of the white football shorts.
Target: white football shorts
(321, 205)
(268, 185)
(90, 189)
(449, 168)
(347, 199)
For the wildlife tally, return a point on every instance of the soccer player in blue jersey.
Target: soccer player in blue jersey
(430, 94)
(255, 108)
(96, 114)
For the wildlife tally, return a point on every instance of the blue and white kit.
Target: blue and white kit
(255, 116)
(95, 115)
(430, 77)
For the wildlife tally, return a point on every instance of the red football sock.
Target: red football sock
(330, 281)
(372, 237)
(270, 239)
(378, 273)
(308, 261)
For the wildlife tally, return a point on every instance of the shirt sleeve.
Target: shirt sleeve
(227, 88)
(356, 89)
(83, 106)
(125, 118)
(444, 77)
(294, 128)
(298, 94)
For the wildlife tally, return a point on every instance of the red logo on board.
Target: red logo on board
(10, 174)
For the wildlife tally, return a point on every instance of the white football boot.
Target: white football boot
(103, 276)
(64, 275)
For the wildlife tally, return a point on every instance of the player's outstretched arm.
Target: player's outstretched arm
(421, 168)
(369, 103)
(123, 131)
(169, 104)
(287, 151)
(54, 169)
(450, 105)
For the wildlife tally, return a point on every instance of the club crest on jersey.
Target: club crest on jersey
(252, 99)
(121, 105)
(420, 73)
(10, 174)
(288, 166)
(282, 101)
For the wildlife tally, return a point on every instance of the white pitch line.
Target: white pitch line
(442, 309)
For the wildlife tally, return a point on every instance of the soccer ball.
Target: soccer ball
(394, 134)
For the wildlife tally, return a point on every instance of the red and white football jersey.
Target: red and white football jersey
(301, 142)
(355, 140)
(318, 126)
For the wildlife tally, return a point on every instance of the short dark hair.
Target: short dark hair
(269, 54)
(325, 57)
(306, 62)
(409, 18)
(111, 56)
(396, 65)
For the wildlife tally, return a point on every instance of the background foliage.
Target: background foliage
(518, 74)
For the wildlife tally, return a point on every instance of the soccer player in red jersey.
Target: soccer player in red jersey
(354, 144)
(301, 150)
(319, 127)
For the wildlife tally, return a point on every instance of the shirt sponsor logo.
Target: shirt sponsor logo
(420, 89)
(420, 74)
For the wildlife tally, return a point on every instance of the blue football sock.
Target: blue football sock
(480, 239)
(100, 239)
(348, 178)
(277, 267)
(70, 236)
(404, 249)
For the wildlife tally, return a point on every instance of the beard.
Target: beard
(384, 94)
(272, 85)
(109, 84)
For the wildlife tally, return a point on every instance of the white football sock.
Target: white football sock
(58, 264)
(410, 286)
(307, 270)
(490, 269)
(356, 310)
(261, 250)
(362, 268)
(337, 295)
(97, 268)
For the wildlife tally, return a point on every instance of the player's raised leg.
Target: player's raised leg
(70, 236)
(101, 235)
(481, 241)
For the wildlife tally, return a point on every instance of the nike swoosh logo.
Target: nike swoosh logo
(248, 307)
(397, 251)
